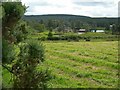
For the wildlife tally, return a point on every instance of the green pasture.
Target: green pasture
(79, 64)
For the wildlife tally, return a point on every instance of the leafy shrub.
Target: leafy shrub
(26, 75)
(21, 59)
(50, 35)
(9, 52)
(42, 38)
(55, 38)
(87, 39)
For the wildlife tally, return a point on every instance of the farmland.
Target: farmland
(79, 64)
(82, 64)
(57, 50)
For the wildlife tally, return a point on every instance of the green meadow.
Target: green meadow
(82, 64)
(79, 64)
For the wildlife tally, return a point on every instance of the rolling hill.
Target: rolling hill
(67, 17)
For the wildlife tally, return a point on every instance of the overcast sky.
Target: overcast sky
(92, 8)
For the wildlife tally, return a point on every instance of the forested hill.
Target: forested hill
(100, 22)
(56, 16)
(63, 17)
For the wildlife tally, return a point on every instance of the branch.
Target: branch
(7, 68)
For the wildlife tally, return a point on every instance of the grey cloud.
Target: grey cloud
(44, 4)
(40, 4)
(32, 5)
(77, 8)
(105, 4)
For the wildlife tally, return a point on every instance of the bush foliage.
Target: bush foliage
(21, 55)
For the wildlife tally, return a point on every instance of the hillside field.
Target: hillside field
(80, 64)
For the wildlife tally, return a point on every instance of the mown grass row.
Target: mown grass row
(74, 68)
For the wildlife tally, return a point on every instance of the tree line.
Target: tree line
(60, 22)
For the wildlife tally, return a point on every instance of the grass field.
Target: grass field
(81, 64)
